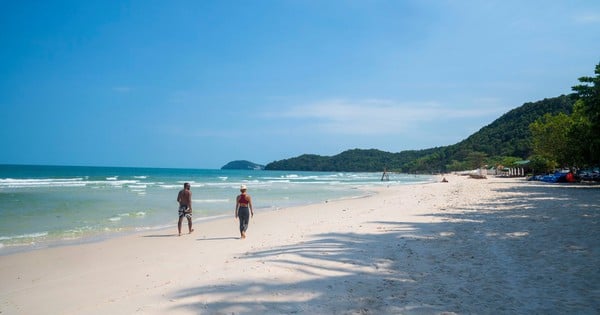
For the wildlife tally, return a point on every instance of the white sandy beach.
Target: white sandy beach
(488, 246)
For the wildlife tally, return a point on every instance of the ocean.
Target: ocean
(45, 206)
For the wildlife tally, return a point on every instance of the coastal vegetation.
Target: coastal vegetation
(561, 140)
(555, 132)
(242, 165)
(506, 140)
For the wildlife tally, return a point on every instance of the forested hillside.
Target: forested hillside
(507, 137)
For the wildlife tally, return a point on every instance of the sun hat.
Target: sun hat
(243, 187)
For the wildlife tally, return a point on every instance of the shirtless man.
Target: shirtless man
(185, 207)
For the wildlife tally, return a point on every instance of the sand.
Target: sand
(469, 246)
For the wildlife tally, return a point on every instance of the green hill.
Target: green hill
(242, 165)
(507, 136)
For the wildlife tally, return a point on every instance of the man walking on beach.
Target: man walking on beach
(185, 207)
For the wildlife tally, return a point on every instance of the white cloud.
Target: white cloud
(588, 18)
(376, 117)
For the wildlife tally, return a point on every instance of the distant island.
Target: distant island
(242, 165)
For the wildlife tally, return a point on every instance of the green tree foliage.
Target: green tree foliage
(540, 164)
(551, 138)
(457, 166)
(571, 140)
(508, 161)
(581, 136)
(588, 132)
(505, 161)
(356, 160)
(476, 159)
(305, 162)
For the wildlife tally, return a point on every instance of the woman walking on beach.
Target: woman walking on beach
(243, 210)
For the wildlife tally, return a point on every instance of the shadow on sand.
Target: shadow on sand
(161, 235)
(537, 250)
(217, 238)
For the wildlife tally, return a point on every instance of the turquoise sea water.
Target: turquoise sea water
(43, 206)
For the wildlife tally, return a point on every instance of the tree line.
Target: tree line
(570, 139)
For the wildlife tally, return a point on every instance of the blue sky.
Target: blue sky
(201, 83)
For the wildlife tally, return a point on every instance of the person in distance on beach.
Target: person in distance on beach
(185, 207)
(243, 210)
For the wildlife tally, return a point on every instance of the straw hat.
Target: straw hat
(243, 187)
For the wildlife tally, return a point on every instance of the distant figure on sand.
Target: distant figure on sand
(444, 180)
(185, 207)
(243, 210)
(385, 176)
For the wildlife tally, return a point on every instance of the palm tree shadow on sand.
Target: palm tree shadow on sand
(479, 259)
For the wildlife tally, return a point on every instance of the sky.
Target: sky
(197, 84)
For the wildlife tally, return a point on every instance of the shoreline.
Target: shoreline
(468, 246)
(44, 206)
(104, 236)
